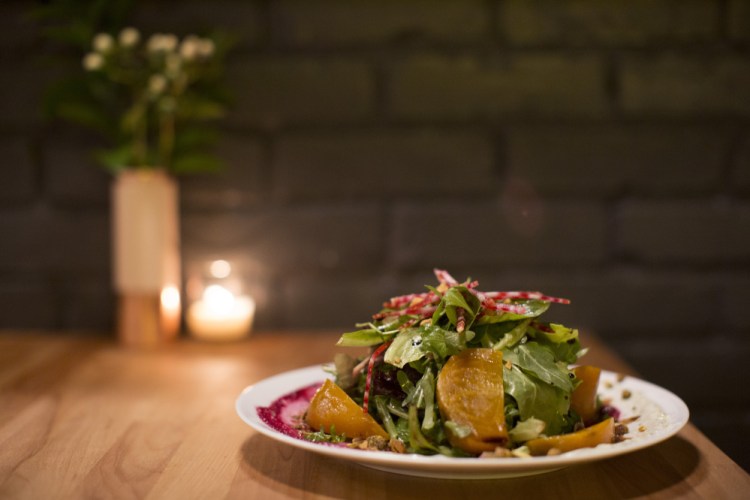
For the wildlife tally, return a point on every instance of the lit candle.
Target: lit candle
(220, 316)
(170, 308)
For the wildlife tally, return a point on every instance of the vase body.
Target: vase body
(146, 257)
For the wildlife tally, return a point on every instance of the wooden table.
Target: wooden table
(83, 418)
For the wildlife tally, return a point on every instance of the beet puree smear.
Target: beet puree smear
(285, 415)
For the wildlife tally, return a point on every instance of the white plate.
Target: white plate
(661, 415)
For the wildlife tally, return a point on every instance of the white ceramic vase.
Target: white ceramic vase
(146, 256)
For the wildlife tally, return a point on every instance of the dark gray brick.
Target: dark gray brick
(240, 183)
(621, 303)
(464, 87)
(686, 232)
(601, 160)
(669, 84)
(618, 22)
(740, 177)
(71, 174)
(738, 20)
(19, 175)
(684, 367)
(500, 234)
(87, 303)
(338, 302)
(384, 163)
(736, 313)
(22, 89)
(39, 237)
(238, 19)
(340, 22)
(27, 303)
(18, 30)
(272, 92)
(291, 240)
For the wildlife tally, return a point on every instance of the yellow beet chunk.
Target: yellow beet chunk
(470, 393)
(331, 407)
(583, 398)
(603, 432)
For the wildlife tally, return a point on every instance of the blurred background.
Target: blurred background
(598, 151)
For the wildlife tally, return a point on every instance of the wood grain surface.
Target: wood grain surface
(81, 417)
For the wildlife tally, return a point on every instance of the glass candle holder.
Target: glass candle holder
(220, 309)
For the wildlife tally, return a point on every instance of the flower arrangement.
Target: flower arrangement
(153, 98)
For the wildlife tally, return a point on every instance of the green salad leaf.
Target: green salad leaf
(539, 361)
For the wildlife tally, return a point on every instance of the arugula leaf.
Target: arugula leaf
(405, 348)
(539, 361)
(325, 437)
(381, 406)
(527, 429)
(536, 398)
(416, 439)
(361, 338)
(568, 352)
(413, 344)
(554, 332)
(459, 297)
(442, 342)
(428, 389)
(501, 335)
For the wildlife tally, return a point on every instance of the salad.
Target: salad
(461, 372)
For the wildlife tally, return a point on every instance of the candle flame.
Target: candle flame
(218, 299)
(170, 298)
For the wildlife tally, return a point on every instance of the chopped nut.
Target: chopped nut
(372, 443)
(396, 446)
(499, 452)
(620, 377)
(642, 428)
(626, 394)
(608, 384)
(620, 431)
(376, 443)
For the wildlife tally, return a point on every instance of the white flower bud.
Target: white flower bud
(103, 42)
(154, 42)
(189, 48)
(129, 37)
(157, 84)
(169, 43)
(93, 61)
(206, 47)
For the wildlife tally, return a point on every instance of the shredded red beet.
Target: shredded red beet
(370, 365)
(610, 411)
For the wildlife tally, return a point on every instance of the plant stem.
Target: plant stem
(166, 139)
(140, 132)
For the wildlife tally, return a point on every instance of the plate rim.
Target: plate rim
(251, 398)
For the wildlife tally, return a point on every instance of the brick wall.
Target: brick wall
(596, 150)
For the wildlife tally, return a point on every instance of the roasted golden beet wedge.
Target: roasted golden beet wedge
(583, 398)
(603, 432)
(332, 409)
(470, 394)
